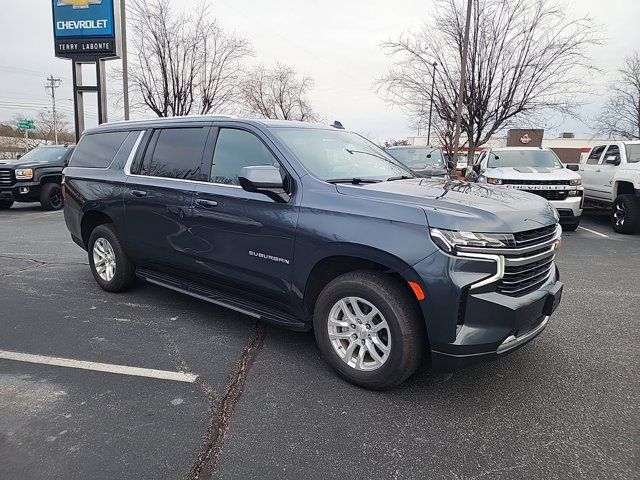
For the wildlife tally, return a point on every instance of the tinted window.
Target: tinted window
(97, 149)
(612, 151)
(594, 156)
(45, 154)
(236, 149)
(176, 153)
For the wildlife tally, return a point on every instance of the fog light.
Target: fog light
(24, 190)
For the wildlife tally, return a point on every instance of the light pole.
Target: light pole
(51, 86)
(125, 66)
(463, 74)
(433, 84)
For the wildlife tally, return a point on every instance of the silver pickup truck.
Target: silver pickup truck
(538, 171)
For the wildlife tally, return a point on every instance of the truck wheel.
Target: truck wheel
(5, 204)
(110, 266)
(369, 330)
(570, 227)
(51, 197)
(625, 214)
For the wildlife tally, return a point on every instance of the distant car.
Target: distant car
(611, 177)
(34, 177)
(423, 161)
(535, 170)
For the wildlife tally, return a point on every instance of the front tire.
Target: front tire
(369, 330)
(625, 214)
(571, 227)
(5, 204)
(110, 266)
(51, 197)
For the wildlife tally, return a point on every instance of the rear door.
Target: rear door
(590, 170)
(159, 198)
(248, 237)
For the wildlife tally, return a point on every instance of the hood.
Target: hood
(456, 205)
(19, 163)
(531, 173)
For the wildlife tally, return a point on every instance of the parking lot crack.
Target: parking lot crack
(222, 407)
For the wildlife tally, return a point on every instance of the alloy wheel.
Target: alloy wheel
(619, 214)
(359, 333)
(104, 259)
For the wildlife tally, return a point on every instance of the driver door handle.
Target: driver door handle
(138, 193)
(206, 203)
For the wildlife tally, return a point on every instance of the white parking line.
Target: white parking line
(99, 367)
(594, 232)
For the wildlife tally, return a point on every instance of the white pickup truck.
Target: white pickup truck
(611, 177)
(538, 171)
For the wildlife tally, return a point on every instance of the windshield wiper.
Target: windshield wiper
(400, 177)
(351, 151)
(355, 181)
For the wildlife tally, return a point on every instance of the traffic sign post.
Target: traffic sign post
(26, 125)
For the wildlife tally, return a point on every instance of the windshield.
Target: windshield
(45, 154)
(337, 154)
(523, 158)
(418, 158)
(633, 153)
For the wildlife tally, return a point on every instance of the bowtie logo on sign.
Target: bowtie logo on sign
(78, 3)
(525, 138)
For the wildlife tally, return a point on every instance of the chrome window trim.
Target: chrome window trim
(132, 154)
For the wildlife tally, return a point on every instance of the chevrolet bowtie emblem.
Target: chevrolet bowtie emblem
(79, 3)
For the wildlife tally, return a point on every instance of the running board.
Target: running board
(226, 300)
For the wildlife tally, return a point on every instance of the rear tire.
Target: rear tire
(570, 227)
(5, 204)
(384, 324)
(51, 197)
(625, 214)
(110, 266)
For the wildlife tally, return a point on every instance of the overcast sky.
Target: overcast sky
(336, 42)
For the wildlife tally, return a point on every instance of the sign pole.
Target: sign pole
(125, 65)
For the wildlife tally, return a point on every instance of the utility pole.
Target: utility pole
(125, 66)
(50, 87)
(463, 75)
(433, 84)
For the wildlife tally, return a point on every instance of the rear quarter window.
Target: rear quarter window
(97, 150)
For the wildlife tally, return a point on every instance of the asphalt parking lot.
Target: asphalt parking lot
(259, 402)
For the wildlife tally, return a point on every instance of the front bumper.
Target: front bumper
(570, 210)
(21, 192)
(466, 325)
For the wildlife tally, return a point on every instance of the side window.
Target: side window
(236, 149)
(97, 150)
(176, 153)
(594, 156)
(612, 151)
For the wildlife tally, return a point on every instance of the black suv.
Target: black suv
(306, 226)
(35, 177)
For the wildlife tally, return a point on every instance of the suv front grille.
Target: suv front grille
(6, 176)
(550, 194)
(529, 263)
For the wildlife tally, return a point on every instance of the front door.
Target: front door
(249, 237)
(608, 170)
(590, 170)
(158, 199)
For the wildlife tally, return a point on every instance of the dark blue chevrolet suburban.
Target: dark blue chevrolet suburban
(306, 226)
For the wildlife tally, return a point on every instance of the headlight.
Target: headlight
(576, 182)
(24, 173)
(494, 181)
(450, 240)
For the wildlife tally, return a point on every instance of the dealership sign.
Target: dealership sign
(86, 29)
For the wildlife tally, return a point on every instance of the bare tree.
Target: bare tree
(181, 62)
(524, 57)
(620, 116)
(277, 93)
(45, 130)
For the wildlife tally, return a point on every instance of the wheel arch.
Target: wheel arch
(90, 220)
(622, 187)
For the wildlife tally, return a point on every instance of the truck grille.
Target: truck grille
(536, 182)
(550, 194)
(529, 263)
(6, 176)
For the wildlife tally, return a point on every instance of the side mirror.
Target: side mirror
(264, 179)
(612, 160)
(573, 166)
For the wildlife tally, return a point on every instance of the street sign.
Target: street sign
(86, 29)
(26, 125)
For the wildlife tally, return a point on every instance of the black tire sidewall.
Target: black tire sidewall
(6, 204)
(632, 221)
(45, 194)
(122, 278)
(391, 373)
